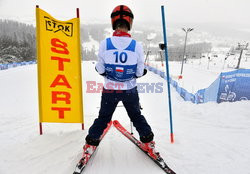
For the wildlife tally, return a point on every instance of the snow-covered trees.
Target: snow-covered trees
(17, 42)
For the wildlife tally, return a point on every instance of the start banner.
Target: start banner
(59, 69)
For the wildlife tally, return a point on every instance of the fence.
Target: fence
(234, 86)
(229, 86)
(16, 64)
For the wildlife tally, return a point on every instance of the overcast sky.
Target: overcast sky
(177, 11)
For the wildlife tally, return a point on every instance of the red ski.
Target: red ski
(159, 161)
(84, 161)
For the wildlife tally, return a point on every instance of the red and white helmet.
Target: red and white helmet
(122, 12)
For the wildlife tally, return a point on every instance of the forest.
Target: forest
(18, 42)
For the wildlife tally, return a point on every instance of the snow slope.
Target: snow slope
(201, 73)
(209, 138)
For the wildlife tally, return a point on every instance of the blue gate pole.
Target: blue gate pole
(167, 72)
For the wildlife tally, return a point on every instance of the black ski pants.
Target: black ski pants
(109, 101)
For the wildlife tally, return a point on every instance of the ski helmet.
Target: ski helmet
(122, 13)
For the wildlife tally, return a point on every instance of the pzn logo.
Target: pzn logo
(55, 26)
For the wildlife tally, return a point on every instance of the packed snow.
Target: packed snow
(209, 138)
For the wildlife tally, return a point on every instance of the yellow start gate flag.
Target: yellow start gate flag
(59, 69)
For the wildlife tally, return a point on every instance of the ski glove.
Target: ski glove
(144, 73)
(103, 74)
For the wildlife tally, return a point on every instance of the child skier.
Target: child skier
(120, 61)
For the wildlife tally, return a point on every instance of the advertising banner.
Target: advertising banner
(234, 86)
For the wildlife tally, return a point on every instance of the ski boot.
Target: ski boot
(150, 149)
(88, 150)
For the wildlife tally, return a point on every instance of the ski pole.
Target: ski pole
(131, 127)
